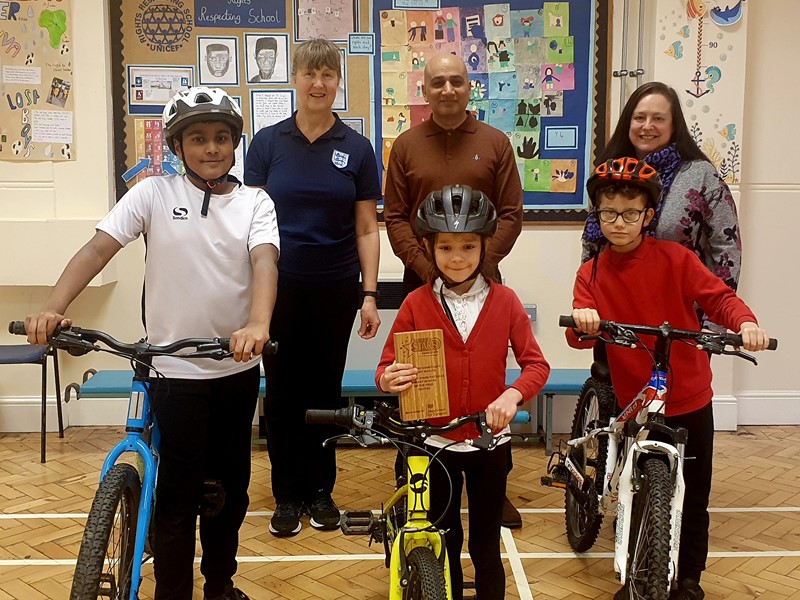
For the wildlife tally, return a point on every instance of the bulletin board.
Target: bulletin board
(160, 47)
(533, 68)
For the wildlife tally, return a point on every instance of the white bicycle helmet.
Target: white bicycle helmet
(201, 104)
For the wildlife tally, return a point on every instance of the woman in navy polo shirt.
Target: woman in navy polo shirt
(323, 178)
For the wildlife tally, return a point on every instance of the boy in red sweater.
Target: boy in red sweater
(639, 279)
(478, 318)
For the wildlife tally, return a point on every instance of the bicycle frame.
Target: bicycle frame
(138, 421)
(622, 467)
(416, 531)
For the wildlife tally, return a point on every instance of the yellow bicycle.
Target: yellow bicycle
(416, 554)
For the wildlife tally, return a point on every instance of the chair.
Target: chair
(37, 355)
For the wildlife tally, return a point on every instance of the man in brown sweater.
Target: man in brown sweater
(451, 148)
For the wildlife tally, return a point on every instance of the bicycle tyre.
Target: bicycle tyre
(649, 543)
(426, 577)
(596, 405)
(105, 559)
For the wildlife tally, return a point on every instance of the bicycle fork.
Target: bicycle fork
(625, 503)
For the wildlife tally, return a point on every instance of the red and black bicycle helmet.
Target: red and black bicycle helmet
(628, 172)
(456, 209)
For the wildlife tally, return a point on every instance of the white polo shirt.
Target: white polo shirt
(198, 277)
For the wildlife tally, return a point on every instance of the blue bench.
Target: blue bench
(359, 383)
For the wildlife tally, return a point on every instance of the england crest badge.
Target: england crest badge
(340, 158)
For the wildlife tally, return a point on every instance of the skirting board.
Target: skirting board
(747, 408)
(769, 407)
(20, 415)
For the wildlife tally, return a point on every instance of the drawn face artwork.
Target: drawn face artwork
(265, 59)
(218, 61)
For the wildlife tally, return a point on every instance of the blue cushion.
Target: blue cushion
(356, 382)
(21, 354)
(108, 384)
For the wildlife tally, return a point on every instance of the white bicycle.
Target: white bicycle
(611, 462)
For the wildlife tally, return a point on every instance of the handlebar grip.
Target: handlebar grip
(566, 321)
(522, 416)
(736, 340)
(17, 328)
(342, 417)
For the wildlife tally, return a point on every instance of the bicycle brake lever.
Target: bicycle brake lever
(214, 354)
(343, 436)
(739, 353)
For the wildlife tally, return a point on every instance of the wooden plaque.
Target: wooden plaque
(427, 398)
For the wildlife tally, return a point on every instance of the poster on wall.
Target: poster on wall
(332, 19)
(531, 69)
(700, 52)
(36, 81)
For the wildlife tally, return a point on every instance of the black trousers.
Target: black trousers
(206, 430)
(484, 473)
(311, 322)
(697, 471)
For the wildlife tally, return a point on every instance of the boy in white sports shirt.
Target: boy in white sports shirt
(211, 271)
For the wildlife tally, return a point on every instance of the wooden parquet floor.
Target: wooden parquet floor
(755, 525)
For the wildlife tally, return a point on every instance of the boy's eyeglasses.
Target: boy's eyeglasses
(629, 216)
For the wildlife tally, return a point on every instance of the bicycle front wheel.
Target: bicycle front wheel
(595, 407)
(648, 548)
(105, 558)
(426, 579)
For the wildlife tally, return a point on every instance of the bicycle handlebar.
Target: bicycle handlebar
(360, 419)
(713, 342)
(78, 341)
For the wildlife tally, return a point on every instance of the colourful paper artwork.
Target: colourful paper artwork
(520, 65)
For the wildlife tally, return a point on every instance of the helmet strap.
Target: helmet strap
(209, 184)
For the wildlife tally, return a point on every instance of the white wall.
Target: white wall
(541, 267)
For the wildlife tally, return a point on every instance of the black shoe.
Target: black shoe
(286, 519)
(511, 517)
(324, 512)
(231, 593)
(688, 589)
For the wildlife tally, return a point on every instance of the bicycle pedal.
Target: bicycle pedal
(558, 476)
(553, 482)
(357, 522)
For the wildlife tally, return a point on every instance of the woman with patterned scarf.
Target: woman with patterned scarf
(696, 209)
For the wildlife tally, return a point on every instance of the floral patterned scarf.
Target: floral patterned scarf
(666, 161)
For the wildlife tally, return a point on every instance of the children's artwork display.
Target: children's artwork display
(700, 52)
(537, 69)
(36, 81)
(531, 69)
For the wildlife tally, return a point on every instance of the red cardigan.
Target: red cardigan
(476, 369)
(658, 281)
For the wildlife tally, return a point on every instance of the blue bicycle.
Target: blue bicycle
(116, 541)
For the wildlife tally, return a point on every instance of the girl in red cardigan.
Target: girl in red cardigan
(478, 318)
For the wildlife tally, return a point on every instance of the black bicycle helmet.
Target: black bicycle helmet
(199, 104)
(456, 209)
(625, 171)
